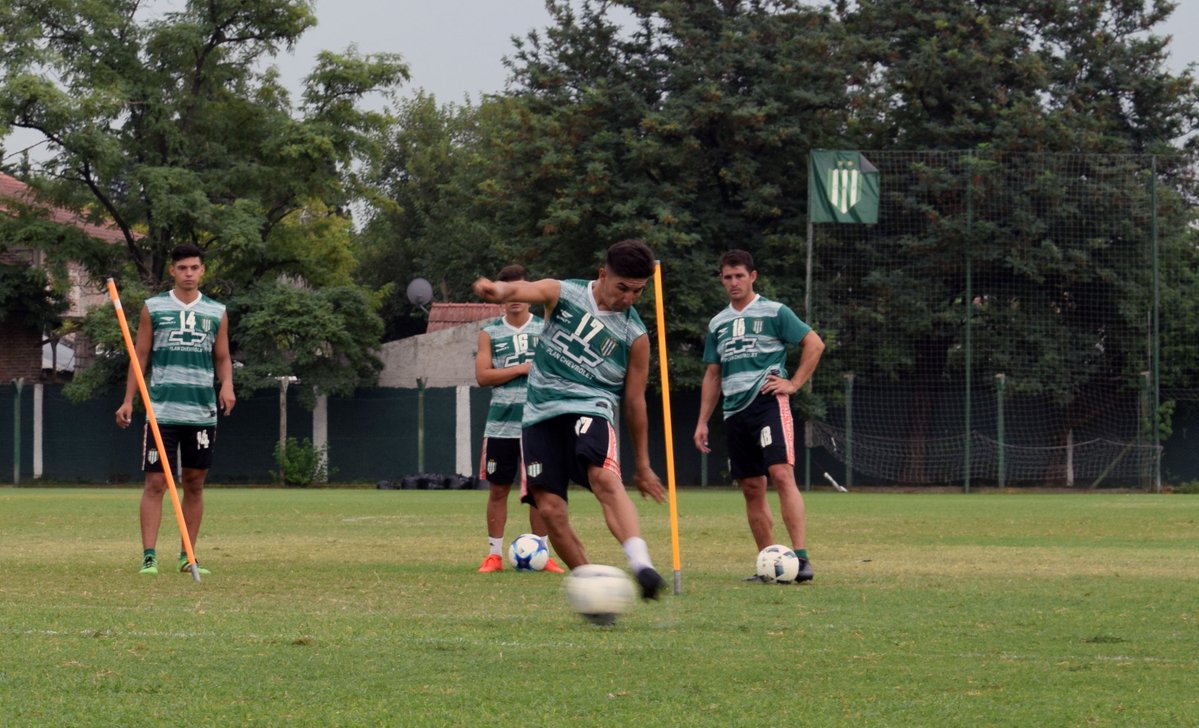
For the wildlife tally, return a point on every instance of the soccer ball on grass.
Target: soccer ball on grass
(599, 593)
(527, 552)
(777, 564)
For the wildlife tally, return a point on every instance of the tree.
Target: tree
(425, 222)
(340, 332)
(27, 296)
(175, 130)
(687, 126)
(1055, 243)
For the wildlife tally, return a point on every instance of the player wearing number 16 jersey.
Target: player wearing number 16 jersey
(183, 339)
(502, 362)
(592, 356)
(746, 354)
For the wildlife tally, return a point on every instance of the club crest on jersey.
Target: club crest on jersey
(534, 469)
(757, 327)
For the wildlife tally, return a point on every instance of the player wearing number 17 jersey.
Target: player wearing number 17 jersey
(183, 339)
(593, 355)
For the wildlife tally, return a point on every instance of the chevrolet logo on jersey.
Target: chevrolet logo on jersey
(186, 334)
(739, 346)
(576, 349)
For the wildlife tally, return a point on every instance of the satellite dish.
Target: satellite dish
(420, 292)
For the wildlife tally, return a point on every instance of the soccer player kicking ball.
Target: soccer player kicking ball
(746, 354)
(592, 356)
(182, 338)
(502, 362)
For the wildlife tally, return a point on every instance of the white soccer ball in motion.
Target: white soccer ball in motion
(777, 564)
(527, 552)
(599, 593)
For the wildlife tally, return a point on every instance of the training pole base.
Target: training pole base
(195, 569)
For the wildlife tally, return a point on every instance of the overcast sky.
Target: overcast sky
(454, 48)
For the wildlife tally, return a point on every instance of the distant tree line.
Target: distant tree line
(687, 124)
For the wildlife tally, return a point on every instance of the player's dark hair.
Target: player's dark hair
(186, 250)
(630, 259)
(514, 272)
(734, 258)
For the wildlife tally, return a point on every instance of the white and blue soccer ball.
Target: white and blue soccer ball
(777, 564)
(528, 552)
(599, 593)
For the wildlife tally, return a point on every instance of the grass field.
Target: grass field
(362, 608)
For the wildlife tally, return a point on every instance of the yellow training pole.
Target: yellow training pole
(162, 451)
(662, 363)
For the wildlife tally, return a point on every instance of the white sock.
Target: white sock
(496, 545)
(637, 553)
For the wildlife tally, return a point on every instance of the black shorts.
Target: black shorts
(761, 435)
(561, 449)
(500, 461)
(195, 447)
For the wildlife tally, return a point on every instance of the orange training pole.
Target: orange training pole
(162, 451)
(662, 362)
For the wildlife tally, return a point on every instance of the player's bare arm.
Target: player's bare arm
(223, 365)
(637, 419)
(709, 396)
(141, 347)
(489, 376)
(545, 291)
(813, 348)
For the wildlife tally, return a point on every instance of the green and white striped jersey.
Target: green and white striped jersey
(510, 346)
(749, 344)
(181, 383)
(582, 359)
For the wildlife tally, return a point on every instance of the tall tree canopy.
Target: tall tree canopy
(174, 127)
(687, 126)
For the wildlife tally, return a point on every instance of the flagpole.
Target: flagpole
(807, 317)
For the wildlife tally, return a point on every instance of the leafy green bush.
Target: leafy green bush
(300, 463)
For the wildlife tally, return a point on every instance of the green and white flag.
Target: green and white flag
(842, 187)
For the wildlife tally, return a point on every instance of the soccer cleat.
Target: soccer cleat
(493, 562)
(805, 572)
(185, 568)
(149, 566)
(552, 566)
(651, 583)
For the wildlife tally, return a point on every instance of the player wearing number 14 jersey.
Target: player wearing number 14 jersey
(592, 356)
(183, 339)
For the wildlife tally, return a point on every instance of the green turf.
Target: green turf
(362, 607)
